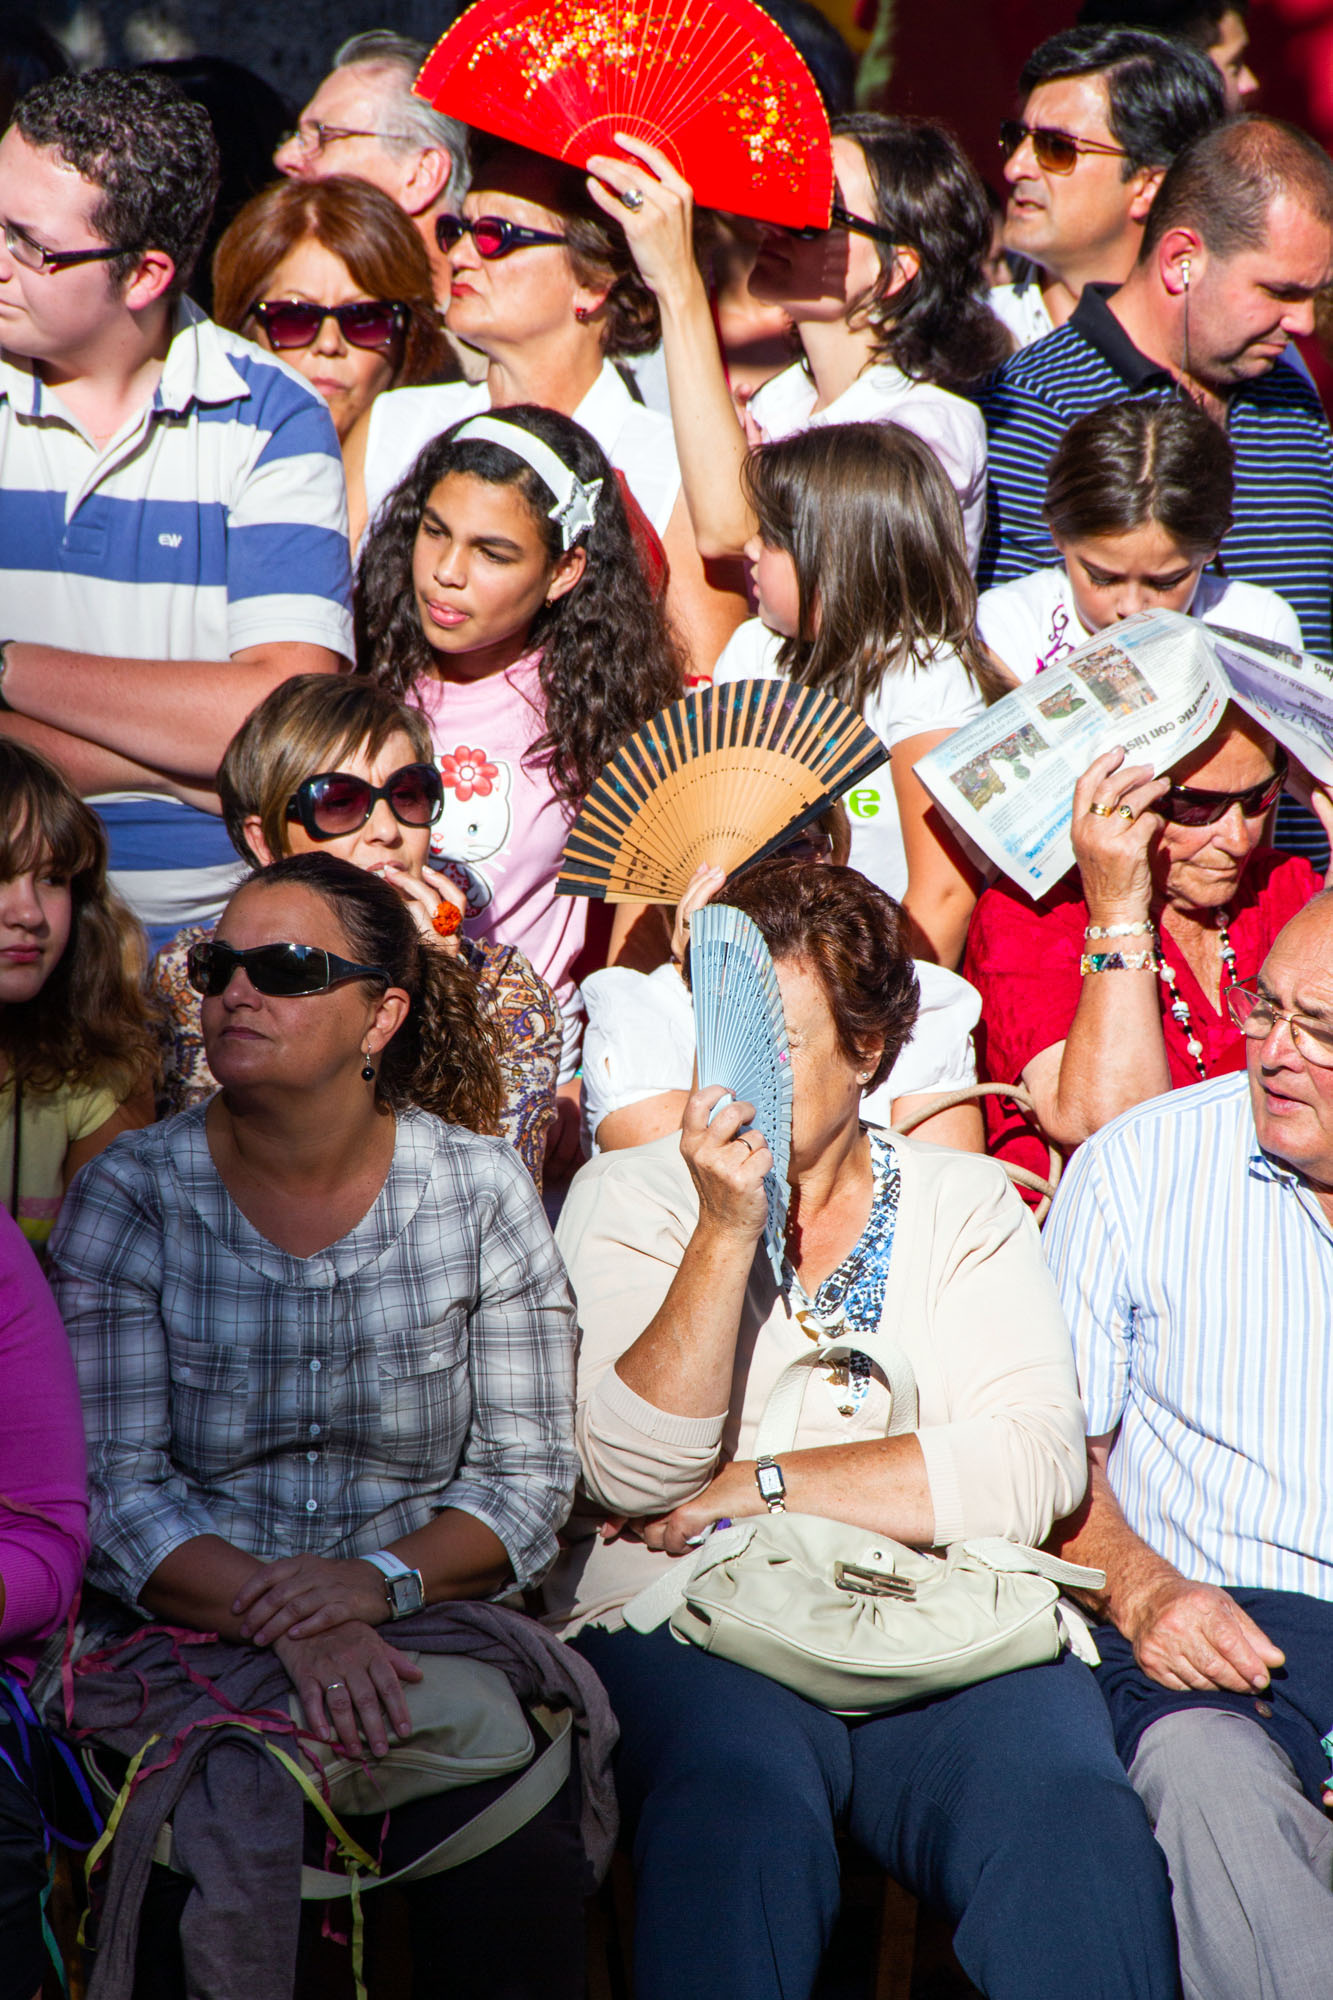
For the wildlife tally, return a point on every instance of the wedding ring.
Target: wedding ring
(632, 199)
(1102, 812)
(329, 1686)
(746, 1141)
(1127, 812)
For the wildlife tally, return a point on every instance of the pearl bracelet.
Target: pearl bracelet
(1143, 929)
(1119, 961)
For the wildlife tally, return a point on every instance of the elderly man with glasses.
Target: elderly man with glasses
(1192, 1242)
(366, 120)
(1104, 113)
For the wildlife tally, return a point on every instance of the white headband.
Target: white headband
(575, 504)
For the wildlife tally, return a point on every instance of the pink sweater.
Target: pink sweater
(43, 1489)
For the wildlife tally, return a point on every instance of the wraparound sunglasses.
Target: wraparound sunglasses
(335, 803)
(281, 971)
(492, 234)
(1185, 806)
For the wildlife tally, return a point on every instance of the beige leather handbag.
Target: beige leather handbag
(853, 1620)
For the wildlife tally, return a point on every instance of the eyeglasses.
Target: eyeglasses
(364, 323)
(1256, 1016)
(492, 234)
(1184, 806)
(281, 971)
(336, 803)
(1056, 152)
(34, 257)
(842, 218)
(314, 137)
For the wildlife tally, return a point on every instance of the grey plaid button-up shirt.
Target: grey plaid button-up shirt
(329, 1403)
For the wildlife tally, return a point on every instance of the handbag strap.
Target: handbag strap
(516, 1805)
(782, 1412)
(997, 1553)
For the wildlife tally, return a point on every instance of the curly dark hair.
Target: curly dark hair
(852, 936)
(629, 321)
(146, 146)
(446, 1056)
(92, 1026)
(607, 659)
(938, 326)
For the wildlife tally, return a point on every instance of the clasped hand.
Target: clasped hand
(301, 1596)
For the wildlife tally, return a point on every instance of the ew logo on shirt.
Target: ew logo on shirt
(170, 541)
(475, 823)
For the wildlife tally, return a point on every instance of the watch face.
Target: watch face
(405, 1594)
(770, 1482)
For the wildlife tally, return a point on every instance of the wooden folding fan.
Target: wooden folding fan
(726, 775)
(715, 84)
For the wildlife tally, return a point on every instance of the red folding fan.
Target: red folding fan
(713, 83)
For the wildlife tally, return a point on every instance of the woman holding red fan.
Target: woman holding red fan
(887, 302)
(544, 286)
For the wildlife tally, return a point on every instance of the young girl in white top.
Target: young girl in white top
(500, 592)
(888, 303)
(1138, 498)
(863, 588)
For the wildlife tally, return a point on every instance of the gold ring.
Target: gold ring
(1102, 812)
(1127, 812)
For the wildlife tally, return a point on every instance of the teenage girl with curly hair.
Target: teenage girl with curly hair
(499, 590)
(78, 1049)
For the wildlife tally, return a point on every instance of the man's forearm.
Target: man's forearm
(91, 770)
(172, 717)
(1099, 1536)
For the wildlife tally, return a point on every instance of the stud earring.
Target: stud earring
(582, 315)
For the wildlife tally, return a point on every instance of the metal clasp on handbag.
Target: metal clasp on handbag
(872, 1582)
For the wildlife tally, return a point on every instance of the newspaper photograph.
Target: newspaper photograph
(1152, 683)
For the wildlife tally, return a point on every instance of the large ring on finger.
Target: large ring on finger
(1127, 812)
(446, 919)
(632, 199)
(1102, 812)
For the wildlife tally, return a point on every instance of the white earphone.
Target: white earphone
(1185, 272)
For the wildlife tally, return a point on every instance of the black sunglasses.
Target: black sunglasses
(493, 236)
(335, 803)
(842, 218)
(1055, 152)
(364, 323)
(279, 970)
(1184, 806)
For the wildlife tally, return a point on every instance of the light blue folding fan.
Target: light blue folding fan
(742, 1041)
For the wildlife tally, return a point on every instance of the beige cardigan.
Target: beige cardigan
(969, 1299)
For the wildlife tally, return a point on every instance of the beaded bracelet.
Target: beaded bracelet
(1119, 961)
(1143, 929)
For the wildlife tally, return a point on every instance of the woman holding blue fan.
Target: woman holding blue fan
(1001, 1803)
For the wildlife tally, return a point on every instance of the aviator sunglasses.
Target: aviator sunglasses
(1184, 806)
(364, 323)
(281, 971)
(335, 803)
(492, 234)
(1056, 152)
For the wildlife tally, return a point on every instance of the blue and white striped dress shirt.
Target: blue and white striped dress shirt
(1197, 1275)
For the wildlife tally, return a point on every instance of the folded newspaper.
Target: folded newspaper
(1155, 684)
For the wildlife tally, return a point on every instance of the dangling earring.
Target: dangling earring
(367, 1069)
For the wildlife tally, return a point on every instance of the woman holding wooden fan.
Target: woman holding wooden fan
(1002, 1803)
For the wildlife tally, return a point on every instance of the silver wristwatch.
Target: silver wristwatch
(403, 1587)
(772, 1486)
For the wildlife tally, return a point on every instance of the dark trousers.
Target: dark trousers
(1005, 1806)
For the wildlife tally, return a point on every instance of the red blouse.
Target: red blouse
(1023, 958)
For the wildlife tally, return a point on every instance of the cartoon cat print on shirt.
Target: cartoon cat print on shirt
(474, 824)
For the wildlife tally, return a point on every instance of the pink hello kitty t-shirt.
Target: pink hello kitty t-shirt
(502, 831)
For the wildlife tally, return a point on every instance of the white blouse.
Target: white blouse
(638, 441)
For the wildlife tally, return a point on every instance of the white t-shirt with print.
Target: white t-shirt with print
(910, 701)
(953, 428)
(1033, 622)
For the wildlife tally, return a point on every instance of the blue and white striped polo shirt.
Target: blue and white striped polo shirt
(215, 520)
(1282, 534)
(1197, 1275)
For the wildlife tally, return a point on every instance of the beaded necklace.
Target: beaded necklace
(1180, 1006)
